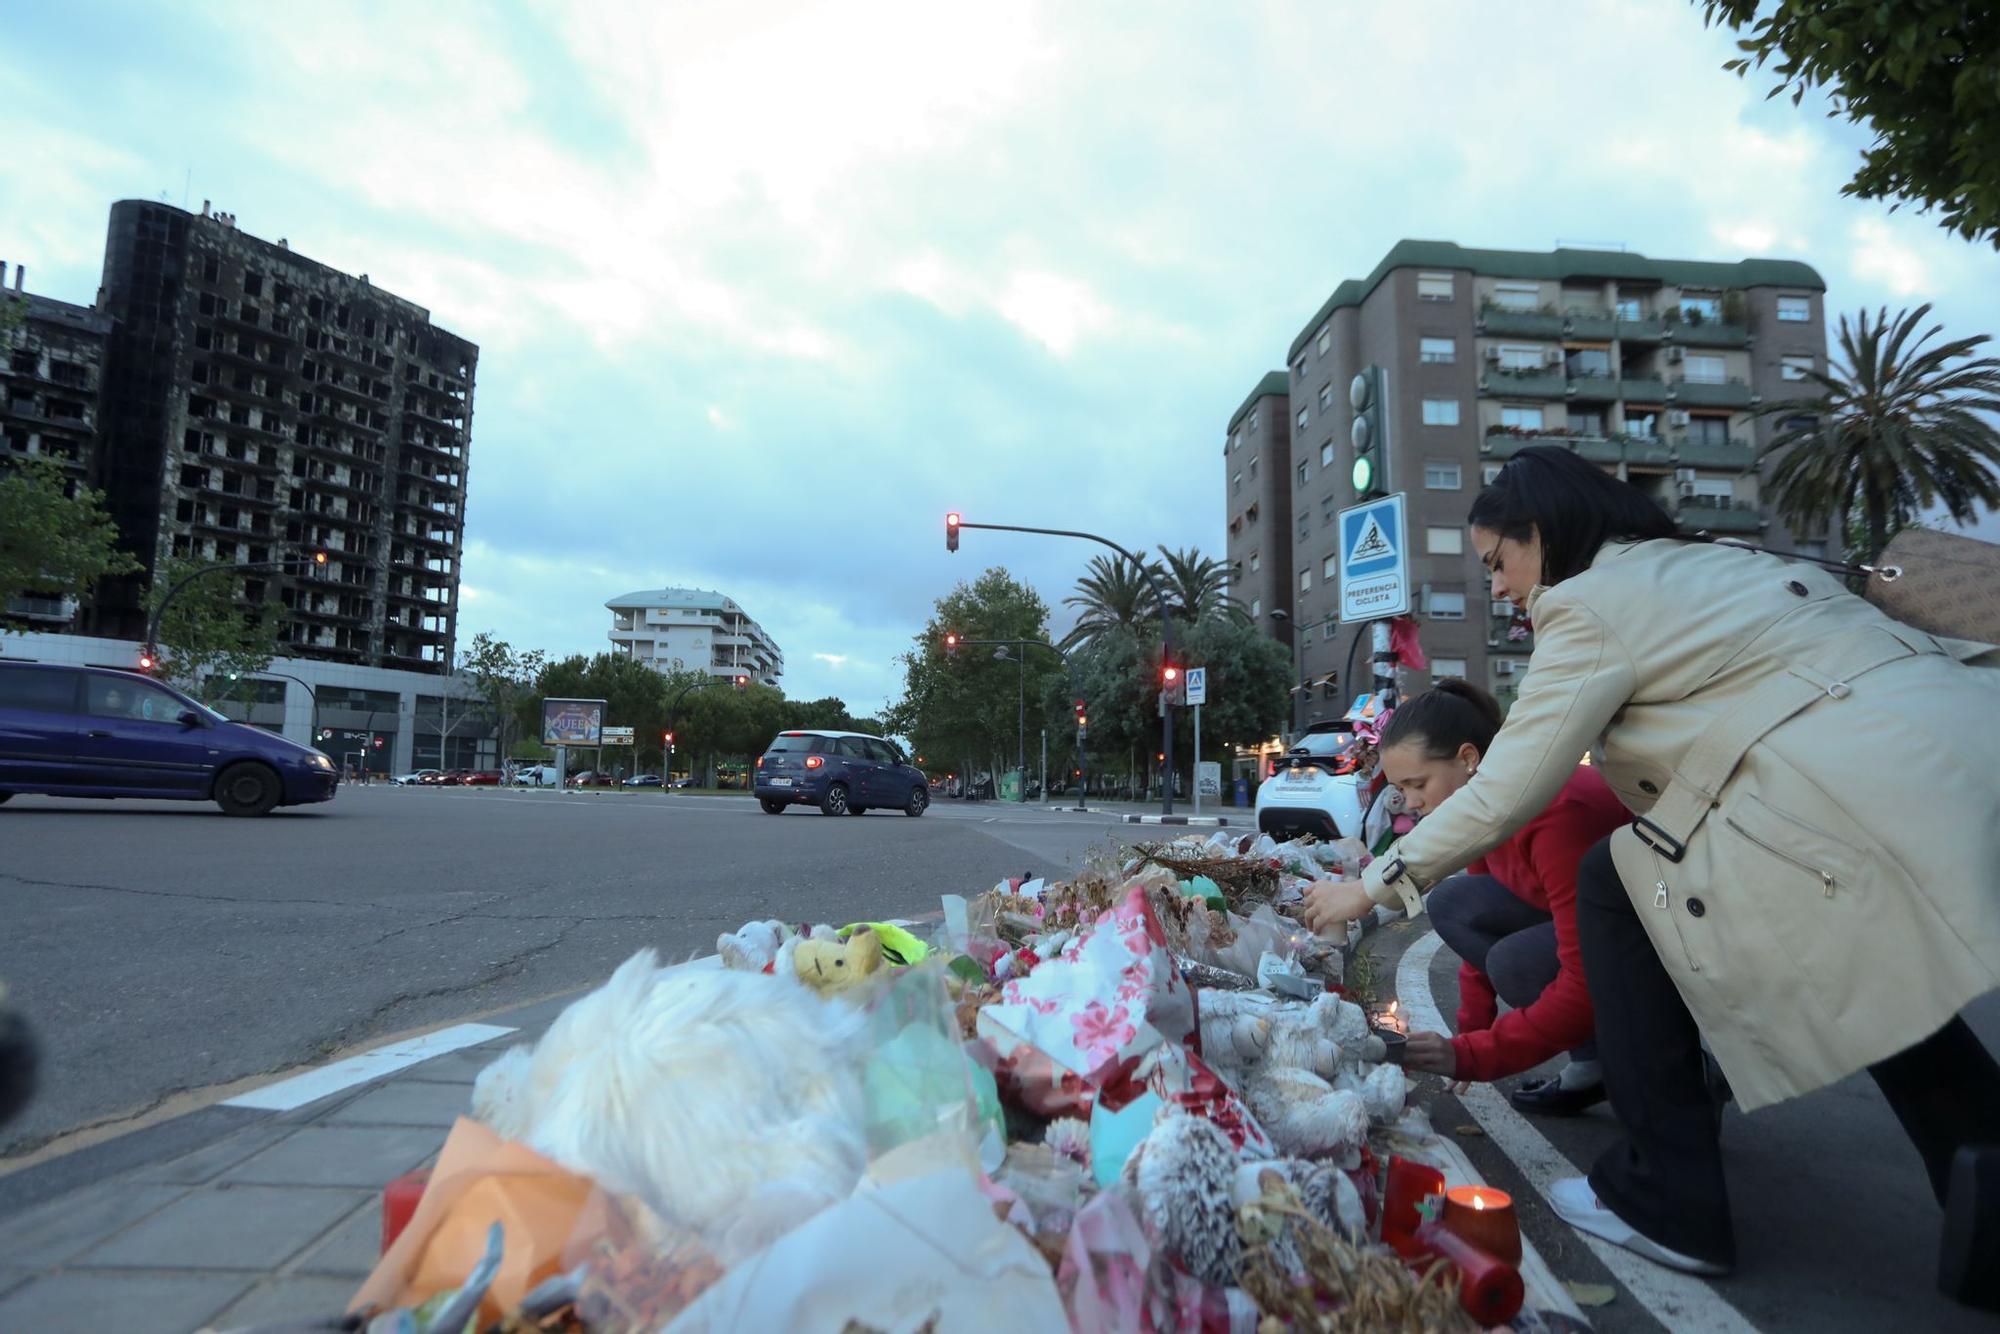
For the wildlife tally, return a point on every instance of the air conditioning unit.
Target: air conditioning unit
(1505, 666)
(1493, 355)
(1684, 474)
(1503, 609)
(1677, 417)
(1676, 354)
(1687, 490)
(1553, 357)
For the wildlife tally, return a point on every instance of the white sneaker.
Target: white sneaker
(1577, 1204)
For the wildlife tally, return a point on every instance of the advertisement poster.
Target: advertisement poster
(572, 722)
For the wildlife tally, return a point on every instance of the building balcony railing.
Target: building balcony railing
(1524, 384)
(1640, 330)
(1718, 514)
(1733, 455)
(1520, 323)
(1587, 388)
(1695, 394)
(1709, 333)
(1646, 451)
(28, 608)
(1643, 389)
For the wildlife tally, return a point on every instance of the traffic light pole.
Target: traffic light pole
(955, 522)
(673, 718)
(174, 591)
(1021, 724)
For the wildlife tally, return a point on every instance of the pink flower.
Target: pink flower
(1100, 1032)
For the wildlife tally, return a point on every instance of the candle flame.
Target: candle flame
(1479, 1201)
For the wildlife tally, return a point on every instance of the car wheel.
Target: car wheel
(857, 810)
(247, 789)
(835, 800)
(6, 797)
(772, 806)
(920, 801)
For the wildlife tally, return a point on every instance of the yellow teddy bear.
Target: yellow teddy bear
(831, 967)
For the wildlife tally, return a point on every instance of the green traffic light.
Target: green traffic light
(1364, 475)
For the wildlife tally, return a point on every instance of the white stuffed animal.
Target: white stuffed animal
(753, 947)
(729, 1101)
(1301, 1068)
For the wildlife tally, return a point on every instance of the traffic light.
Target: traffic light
(378, 743)
(742, 683)
(670, 741)
(1364, 395)
(951, 532)
(951, 641)
(1170, 676)
(1079, 713)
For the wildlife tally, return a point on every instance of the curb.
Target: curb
(1206, 821)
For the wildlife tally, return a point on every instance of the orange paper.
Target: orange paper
(548, 1212)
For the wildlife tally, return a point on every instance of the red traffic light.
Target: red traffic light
(670, 738)
(742, 683)
(951, 645)
(951, 522)
(378, 743)
(147, 662)
(1171, 674)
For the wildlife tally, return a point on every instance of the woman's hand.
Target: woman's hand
(1431, 1054)
(1332, 904)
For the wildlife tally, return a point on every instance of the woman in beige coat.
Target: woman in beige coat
(1813, 879)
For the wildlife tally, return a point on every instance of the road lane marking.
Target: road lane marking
(1679, 1301)
(313, 1085)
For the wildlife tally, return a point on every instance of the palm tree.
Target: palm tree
(1113, 596)
(1895, 430)
(1198, 586)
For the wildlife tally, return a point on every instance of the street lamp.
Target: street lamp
(311, 694)
(1283, 619)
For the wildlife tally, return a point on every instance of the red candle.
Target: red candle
(1489, 1289)
(1409, 1185)
(1485, 1217)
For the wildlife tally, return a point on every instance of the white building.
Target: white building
(692, 629)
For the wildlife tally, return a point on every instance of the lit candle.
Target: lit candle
(1485, 1217)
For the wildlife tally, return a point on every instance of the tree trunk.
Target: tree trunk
(1878, 523)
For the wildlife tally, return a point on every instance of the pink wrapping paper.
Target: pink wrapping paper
(1101, 1007)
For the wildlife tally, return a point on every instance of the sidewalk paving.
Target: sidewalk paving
(280, 1218)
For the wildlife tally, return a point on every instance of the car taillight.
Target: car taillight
(760, 761)
(814, 761)
(1346, 764)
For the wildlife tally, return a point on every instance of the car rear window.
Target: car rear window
(38, 689)
(1325, 745)
(796, 742)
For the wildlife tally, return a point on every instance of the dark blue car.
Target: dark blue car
(98, 732)
(842, 773)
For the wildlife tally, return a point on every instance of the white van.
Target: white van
(536, 775)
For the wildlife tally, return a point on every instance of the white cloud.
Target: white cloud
(831, 659)
(1888, 259)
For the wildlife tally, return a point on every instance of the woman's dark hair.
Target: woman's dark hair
(1576, 506)
(1450, 714)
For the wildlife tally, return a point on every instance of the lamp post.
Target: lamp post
(316, 561)
(1001, 653)
(311, 694)
(1283, 620)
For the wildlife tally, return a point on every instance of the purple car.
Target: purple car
(98, 732)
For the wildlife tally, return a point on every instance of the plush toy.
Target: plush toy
(1305, 1115)
(831, 967)
(1301, 1068)
(730, 1102)
(1185, 1174)
(753, 947)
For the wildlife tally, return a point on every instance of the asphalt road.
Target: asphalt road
(162, 949)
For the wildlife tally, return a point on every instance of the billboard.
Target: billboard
(572, 722)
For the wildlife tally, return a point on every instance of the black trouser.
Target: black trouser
(1665, 1177)
(1503, 936)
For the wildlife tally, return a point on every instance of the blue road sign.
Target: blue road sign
(1374, 560)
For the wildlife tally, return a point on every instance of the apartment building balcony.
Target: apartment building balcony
(1732, 455)
(1497, 383)
(1520, 323)
(1643, 389)
(1647, 451)
(1586, 388)
(1649, 330)
(48, 611)
(1718, 514)
(1709, 333)
(1698, 394)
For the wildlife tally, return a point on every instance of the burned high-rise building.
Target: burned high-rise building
(259, 406)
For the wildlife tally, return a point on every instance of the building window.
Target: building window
(1256, 608)
(1521, 419)
(1703, 369)
(1256, 562)
(1253, 467)
(1440, 412)
(1586, 423)
(1794, 309)
(1708, 430)
(1796, 366)
(1305, 526)
(1712, 488)
(1302, 474)
(1437, 351)
(1434, 287)
(1304, 413)
(1642, 422)
(1326, 454)
(1299, 369)
(1518, 358)
(1700, 307)
(1442, 668)
(1235, 441)
(1441, 476)
(1327, 567)
(1444, 541)
(1325, 340)
(1329, 511)
(1631, 309)
(1517, 296)
(1325, 397)
(1443, 606)
(1305, 581)
(1253, 417)
(1588, 363)
(1489, 473)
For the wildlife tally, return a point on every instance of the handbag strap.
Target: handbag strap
(1888, 574)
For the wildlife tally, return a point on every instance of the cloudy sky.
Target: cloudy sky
(761, 291)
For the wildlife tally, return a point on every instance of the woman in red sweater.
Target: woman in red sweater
(1511, 916)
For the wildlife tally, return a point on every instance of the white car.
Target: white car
(1315, 790)
(418, 778)
(536, 775)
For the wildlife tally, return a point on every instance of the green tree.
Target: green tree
(503, 678)
(1198, 587)
(55, 539)
(1114, 595)
(634, 696)
(967, 706)
(1923, 74)
(1896, 428)
(211, 632)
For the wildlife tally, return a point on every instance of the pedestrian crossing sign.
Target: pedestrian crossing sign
(1375, 572)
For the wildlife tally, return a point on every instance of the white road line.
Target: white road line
(313, 1085)
(1679, 1301)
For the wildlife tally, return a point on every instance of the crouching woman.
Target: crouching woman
(1511, 916)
